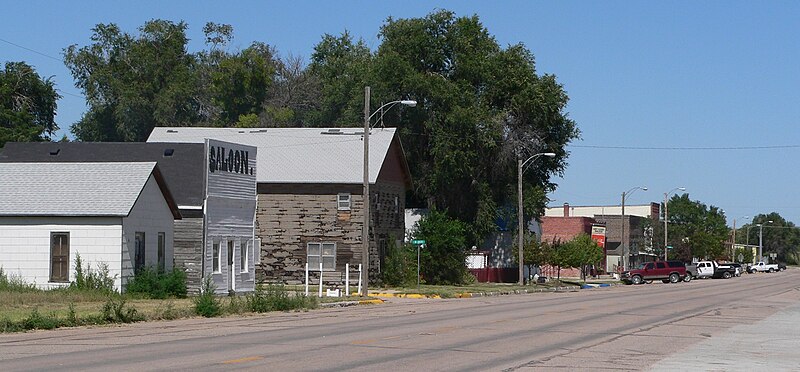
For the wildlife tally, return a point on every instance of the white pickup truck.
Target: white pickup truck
(763, 267)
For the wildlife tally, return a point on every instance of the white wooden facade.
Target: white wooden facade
(229, 217)
(39, 243)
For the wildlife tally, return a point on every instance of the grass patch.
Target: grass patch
(152, 283)
(451, 291)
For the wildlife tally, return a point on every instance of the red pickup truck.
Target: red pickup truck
(666, 271)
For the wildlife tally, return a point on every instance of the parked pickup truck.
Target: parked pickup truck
(668, 272)
(763, 267)
(709, 269)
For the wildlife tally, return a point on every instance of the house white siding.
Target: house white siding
(25, 246)
(151, 215)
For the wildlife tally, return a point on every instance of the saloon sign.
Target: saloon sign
(230, 160)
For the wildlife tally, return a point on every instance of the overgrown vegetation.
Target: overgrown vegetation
(88, 279)
(400, 268)
(206, 303)
(157, 284)
(277, 298)
(444, 256)
(14, 283)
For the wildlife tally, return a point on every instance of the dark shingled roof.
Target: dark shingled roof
(181, 164)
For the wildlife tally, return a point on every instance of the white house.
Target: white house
(117, 214)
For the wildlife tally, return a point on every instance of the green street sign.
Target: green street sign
(417, 242)
(669, 247)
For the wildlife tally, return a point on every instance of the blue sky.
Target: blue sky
(641, 76)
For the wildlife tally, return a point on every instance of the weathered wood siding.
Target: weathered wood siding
(189, 251)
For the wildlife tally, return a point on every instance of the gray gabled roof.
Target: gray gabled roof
(182, 164)
(72, 189)
(298, 155)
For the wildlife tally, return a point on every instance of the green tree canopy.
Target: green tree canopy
(696, 230)
(27, 104)
(779, 236)
(480, 107)
(445, 253)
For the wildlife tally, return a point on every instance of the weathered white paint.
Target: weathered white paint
(25, 246)
(151, 215)
(230, 208)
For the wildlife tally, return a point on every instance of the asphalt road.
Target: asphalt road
(698, 326)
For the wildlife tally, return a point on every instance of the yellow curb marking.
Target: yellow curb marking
(243, 360)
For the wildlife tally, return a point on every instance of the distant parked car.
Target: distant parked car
(668, 272)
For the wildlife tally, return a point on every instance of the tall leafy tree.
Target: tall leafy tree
(780, 236)
(27, 104)
(582, 251)
(696, 230)
(480, 107)
(133, 83)
(444, 257)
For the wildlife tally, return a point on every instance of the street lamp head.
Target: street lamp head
(644, 188)
(549, 154)
(682, 188)
(409, 103)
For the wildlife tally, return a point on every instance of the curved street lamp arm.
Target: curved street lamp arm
(532, 157)
(388, 106)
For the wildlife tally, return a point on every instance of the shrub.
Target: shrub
(400, 268)
(158, 284)
(276, 298)
(444, 256)
(206, 304)
(38, 321)
(92, 280)
(15, 283)
(116, 312)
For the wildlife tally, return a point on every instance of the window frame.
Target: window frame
(344, 205)
(162, 251)
(331, 266)
(216, 257)
(136, 266)
(64, 278)
(244, 255)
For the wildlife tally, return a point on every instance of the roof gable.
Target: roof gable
(73, 189)
(181, 164)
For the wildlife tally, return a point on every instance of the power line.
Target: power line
(31, 50)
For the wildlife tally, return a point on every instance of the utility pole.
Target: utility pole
(365, 231)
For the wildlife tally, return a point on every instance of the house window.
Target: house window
(322, 252)
(162, 241)
(216, 258)
(59, 256)
(343, 202)
(138, 253)
(243, 256)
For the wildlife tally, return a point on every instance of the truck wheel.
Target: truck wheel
(674, 278)
(771, 270)
(726, 275)
(687, 278)
(636, 280)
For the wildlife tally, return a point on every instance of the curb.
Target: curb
(404, 295)
(518, 291)
(375, 301)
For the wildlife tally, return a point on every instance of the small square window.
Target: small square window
(343, 202)
(321, 252)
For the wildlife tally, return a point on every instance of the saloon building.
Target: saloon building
(213, 184)
(310, 195)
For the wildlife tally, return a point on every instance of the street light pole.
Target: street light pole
(760, 241)
(520, 214)
(666, 219)
(366, 197)
(625, 254)
(365, 229)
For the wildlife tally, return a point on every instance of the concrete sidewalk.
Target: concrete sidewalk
(772, 344)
